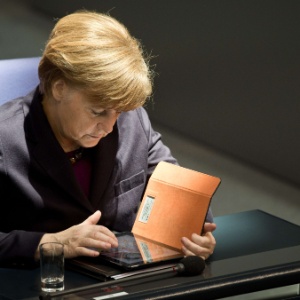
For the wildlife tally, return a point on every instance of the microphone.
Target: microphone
(187, 266)
(190, 266)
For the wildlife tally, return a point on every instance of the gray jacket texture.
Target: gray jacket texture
(39, 191)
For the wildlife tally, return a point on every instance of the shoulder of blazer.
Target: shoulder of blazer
(15, 107)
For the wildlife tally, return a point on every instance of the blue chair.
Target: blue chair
(18, 77)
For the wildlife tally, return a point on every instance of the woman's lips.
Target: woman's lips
(97, 136)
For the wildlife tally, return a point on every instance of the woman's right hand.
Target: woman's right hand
(84, 239)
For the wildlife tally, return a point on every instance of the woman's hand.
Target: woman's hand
(200, 245)
(84, 239)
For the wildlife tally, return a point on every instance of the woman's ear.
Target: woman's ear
(58, 89)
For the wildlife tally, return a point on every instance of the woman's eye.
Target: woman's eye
(99, 113)
(106, 112)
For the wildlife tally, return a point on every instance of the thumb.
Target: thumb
(209, 227)
(93, 219)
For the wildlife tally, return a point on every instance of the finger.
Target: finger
(187, 252)
(200, 246)
(81, 251)
(104, 230)
(207, 242)
(94, 242)
(96, 245)
(209, 227)
(93, 232)
(189, 247)
(106, 236)
(93, 219)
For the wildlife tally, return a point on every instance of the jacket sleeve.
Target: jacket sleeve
(17, 248)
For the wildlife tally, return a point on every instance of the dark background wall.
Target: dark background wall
(228, 71)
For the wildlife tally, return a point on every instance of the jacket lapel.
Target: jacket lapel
(48, 153)
(104, 162)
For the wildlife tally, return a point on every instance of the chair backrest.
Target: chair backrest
(18, 77)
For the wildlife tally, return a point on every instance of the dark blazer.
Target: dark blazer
(39, 192)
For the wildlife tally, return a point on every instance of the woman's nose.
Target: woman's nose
(109, 122)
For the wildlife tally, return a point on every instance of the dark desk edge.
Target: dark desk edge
(231, 285)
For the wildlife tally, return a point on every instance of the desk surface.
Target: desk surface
(255, 251)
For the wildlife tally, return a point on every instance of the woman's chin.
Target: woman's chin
(91, 142)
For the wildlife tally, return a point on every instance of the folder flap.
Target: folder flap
(185, 178)
(175, 204)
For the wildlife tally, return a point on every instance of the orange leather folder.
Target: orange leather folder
(175, 204)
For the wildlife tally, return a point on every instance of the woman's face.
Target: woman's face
(76, 121)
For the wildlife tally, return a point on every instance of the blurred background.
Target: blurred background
(227, 92)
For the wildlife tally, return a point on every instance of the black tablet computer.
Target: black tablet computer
(133, 254)
(136, 252)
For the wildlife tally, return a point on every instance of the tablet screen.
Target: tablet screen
(134, 252)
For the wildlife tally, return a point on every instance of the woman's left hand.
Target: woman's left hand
(200, 245)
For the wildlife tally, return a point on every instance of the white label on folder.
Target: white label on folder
(146, 210)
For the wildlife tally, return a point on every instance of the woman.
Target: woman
(76, 153)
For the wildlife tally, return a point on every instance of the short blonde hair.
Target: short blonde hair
(95, 52)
